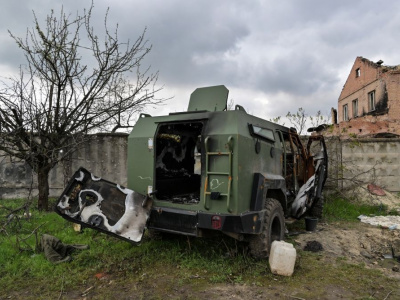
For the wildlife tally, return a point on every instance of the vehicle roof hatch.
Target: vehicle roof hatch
(212, 98)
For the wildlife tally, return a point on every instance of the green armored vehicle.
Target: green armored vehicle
(204, 171)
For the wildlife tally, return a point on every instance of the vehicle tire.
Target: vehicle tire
(273, 230)
(317, 209)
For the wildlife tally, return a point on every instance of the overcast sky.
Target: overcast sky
(273, 56)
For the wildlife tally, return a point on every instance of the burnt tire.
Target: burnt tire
(317, 209)
(273, 230)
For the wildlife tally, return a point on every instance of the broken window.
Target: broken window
(178, 162)
(371, 101)
(345, 113)
(358, 72)
(355, 108)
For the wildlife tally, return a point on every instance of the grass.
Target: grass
(339, 209)
(212, 260)
(159, 267)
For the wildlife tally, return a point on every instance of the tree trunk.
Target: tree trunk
(43, 185)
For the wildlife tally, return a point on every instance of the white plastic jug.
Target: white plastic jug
(282, 258)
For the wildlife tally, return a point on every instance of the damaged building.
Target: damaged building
(369, 104)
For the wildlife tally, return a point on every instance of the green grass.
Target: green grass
(339, 209)
(213, 260)
(164, 265)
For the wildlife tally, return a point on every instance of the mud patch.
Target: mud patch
(313, 246)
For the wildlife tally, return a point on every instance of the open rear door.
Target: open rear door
(105, 206)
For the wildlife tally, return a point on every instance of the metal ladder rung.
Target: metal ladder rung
(209, 193)
(228, 174)
(218, 153)
(218, 173)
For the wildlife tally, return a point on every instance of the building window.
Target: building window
(358, 72)
(345, 113)
(355, 108)
(371, 101)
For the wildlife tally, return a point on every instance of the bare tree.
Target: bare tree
(319, 119)
(300, 120)
(74, 83)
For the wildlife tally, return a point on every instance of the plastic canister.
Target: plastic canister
(282, 258)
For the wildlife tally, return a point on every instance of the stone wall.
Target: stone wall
(105, 156)
(367, 160)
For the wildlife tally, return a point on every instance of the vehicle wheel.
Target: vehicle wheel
(317, 209)
(273, 229)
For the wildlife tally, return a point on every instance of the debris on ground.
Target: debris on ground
(390, 222)
(375, 190)
(366, 254)
(362, 194)
(313, 246)
(393, 255)
(101, 275)
(282, 258)
(55, 251)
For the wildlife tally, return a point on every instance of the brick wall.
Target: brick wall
(368, 74)
(393, 89)
(385, 82)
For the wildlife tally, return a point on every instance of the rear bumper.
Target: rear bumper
(190, 223)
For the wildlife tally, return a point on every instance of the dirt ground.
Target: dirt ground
(358, 243)
(362, 194)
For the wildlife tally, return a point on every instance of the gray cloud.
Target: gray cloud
(297, 51)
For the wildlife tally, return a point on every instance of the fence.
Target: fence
(350, 162)
(105, 155)
(372, 160)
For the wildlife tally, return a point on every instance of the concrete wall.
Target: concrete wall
(334, 151)
(354, 162)
(369, 160)
(105, 156)
(366, 160)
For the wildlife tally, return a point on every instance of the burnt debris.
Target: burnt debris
(178, 177)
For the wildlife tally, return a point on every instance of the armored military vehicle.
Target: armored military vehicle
(203, 171)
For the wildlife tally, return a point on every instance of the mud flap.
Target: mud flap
(311, 191)
(104, 206)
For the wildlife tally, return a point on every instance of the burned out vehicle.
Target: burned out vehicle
(204, 171)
